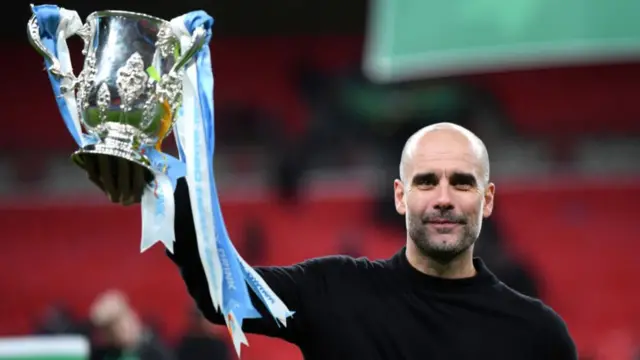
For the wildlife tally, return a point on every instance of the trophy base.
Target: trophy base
(100, 150)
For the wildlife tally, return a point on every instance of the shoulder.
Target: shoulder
(341, 270)
(341, 265)
(532, 309)
(549, 327)
(556, 339)
(334, 275)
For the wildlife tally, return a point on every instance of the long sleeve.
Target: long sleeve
(292, 284)
(558, 343)
(563, 347)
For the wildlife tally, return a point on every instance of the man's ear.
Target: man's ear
(489, 195)
(398, 194)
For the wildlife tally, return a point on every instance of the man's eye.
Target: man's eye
(426, 185)
(463, 186)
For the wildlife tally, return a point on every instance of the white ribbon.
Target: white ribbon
(226, 272)
(192, 139)
(276, 307)
(69, 25)
(158, 211)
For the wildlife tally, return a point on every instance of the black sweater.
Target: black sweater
(348, 308)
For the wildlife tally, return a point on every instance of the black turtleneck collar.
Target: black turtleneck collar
(482, 280)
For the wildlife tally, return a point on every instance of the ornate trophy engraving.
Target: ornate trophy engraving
(130, 87)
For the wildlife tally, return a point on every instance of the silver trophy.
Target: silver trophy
(129, 90)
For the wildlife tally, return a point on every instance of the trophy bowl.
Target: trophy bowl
(129, 90)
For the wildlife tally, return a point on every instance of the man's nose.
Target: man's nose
(443, 200)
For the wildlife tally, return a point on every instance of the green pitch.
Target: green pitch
(44, 348)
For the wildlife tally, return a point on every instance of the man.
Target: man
(431, 300)
(124, 337)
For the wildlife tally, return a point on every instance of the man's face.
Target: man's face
(443, 195)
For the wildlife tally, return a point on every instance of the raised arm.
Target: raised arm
(293, 284)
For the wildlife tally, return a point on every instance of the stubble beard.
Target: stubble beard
(436, 250)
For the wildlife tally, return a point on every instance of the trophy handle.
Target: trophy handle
(198, 39)
(33, 33)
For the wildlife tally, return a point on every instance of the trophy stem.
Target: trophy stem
(120, 141)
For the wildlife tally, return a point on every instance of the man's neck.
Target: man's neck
(458, 268)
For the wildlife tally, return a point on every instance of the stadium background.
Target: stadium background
(308, 148)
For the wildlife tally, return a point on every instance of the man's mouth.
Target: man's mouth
(443, 221)
(443, 226)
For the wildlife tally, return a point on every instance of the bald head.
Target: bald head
(452, 135)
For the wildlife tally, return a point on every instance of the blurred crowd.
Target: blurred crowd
(117, 332)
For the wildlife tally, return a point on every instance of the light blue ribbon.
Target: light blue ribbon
(227, 273)
(166, 164)
(235, 294)
(48, 17)
(177, 138)
(157, 205)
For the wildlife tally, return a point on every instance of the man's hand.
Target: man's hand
(123, 181)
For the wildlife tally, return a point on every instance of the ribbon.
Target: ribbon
(227, 273)
(176, 135)
(157, 204)
(56, 25)
(275, 306)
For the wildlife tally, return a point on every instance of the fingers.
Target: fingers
(139, 183)
(122, 180)
(135, 184)
(108, 168)
(125, 181)
(90, 165)
(132, 180)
